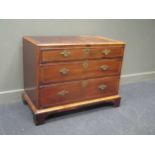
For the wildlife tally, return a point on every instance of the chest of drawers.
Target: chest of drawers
(62, 73)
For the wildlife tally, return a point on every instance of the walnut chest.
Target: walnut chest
(62, 73)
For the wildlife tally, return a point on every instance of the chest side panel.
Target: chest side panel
(30, 68)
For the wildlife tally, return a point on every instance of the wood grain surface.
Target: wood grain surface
(51, 73)
(56, 55)
(67, 72)
(77, 91)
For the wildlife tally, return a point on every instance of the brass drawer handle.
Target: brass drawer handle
(65, 53)
(104, 67)
(63, 92)
(106, 52)
(64, 71)
(87, 50)
(102, 87)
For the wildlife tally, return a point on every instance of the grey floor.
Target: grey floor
(136, 115)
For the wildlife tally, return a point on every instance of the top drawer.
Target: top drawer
(54, 55)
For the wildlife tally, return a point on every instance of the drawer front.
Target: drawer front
(67, 71)
(64, 93)
(80, 53)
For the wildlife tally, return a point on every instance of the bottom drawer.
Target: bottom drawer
(68, 92)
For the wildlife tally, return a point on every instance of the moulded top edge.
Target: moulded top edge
(71, 40)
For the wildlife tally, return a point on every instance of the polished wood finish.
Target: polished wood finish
(65, 41)
(40, 115)
(30, 61)
(63, 73)
(55, 55)
(77, 91)
(51, 73)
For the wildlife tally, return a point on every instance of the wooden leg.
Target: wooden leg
(116, 102)
(39, 118)
(40, 115)
(24, 101)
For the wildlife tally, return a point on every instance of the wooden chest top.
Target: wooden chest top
(72, 40)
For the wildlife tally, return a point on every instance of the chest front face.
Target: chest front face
(71, 70)
(75, 73)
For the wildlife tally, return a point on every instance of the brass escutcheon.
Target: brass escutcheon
(84, 83)
(87, 50)
(85, 65)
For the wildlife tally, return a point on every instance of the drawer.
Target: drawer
(66, 71)
(80, 54)
(68, 92)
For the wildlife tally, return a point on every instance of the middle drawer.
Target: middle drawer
(66, 71)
